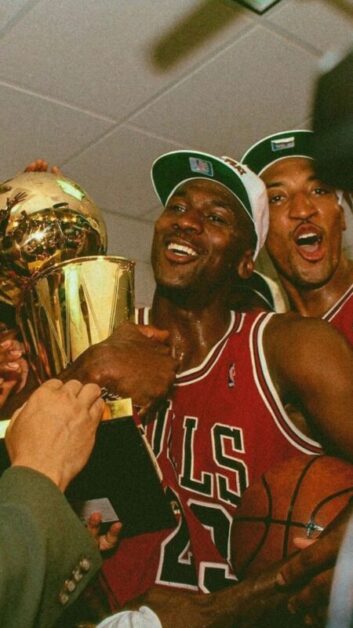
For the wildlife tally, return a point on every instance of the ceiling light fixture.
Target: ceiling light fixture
(259, 6)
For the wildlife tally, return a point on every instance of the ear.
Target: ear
(342, 217)
(246, 264)
(343, 220)
(347, 202)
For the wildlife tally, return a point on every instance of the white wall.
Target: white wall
(133, 239)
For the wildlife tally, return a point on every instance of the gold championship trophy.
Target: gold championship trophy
(69, 295)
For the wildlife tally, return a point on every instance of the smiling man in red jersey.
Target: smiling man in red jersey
(223, 422)
(306, 229)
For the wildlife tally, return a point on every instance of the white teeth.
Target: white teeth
(181, 249)
(308, 235)
(309, 238)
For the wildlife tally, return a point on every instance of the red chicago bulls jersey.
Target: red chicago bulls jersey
(341, 315)
(223, 427)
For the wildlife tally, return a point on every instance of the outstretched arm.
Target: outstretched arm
(47, 557)
(313, 367)
(254, 602)
(308, 575)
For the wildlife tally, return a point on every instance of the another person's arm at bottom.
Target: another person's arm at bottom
(47, 557)
(254, 602)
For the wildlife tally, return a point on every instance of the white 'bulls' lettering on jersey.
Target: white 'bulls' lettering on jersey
(211, 440)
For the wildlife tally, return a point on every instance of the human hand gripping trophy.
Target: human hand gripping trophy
(70, 295)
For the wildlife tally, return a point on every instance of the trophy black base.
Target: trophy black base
(120, 481)
(121, 478)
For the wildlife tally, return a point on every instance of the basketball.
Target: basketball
(297, 498)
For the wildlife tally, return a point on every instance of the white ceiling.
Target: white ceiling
(102, 87)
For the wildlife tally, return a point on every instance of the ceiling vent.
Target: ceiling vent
(259, 6)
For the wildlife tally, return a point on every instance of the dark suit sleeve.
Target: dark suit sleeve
(47, 557)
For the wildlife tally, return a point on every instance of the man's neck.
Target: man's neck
(316, 301)
(193, 332)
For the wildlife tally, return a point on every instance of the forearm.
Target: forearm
(255, 602)
(262, 603)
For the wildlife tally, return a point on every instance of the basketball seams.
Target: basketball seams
(329, 498)
(293, 499)
(266, 521)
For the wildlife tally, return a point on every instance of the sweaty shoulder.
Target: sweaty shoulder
(302, 331)
(296, 346)
(311, 365)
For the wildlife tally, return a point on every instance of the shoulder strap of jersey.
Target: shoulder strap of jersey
(142, 315)
(331, 313)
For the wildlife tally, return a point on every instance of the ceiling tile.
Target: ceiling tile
(33, 127)
(259, 85)
(323, 24)
(116, 170)
(9, 10)
(152, 214)
(110, 57)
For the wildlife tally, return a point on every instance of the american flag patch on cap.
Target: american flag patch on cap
(201, 166)
(283, 143)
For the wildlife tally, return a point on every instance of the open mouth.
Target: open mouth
(309, 242)
(181, 251)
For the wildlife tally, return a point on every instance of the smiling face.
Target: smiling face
(306, 223)
(201, 237)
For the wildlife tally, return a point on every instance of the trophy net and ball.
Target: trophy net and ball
(68, 295)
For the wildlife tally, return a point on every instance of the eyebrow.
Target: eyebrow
(222, 204)
(181, 193)
(276, 184)
(214, 202)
